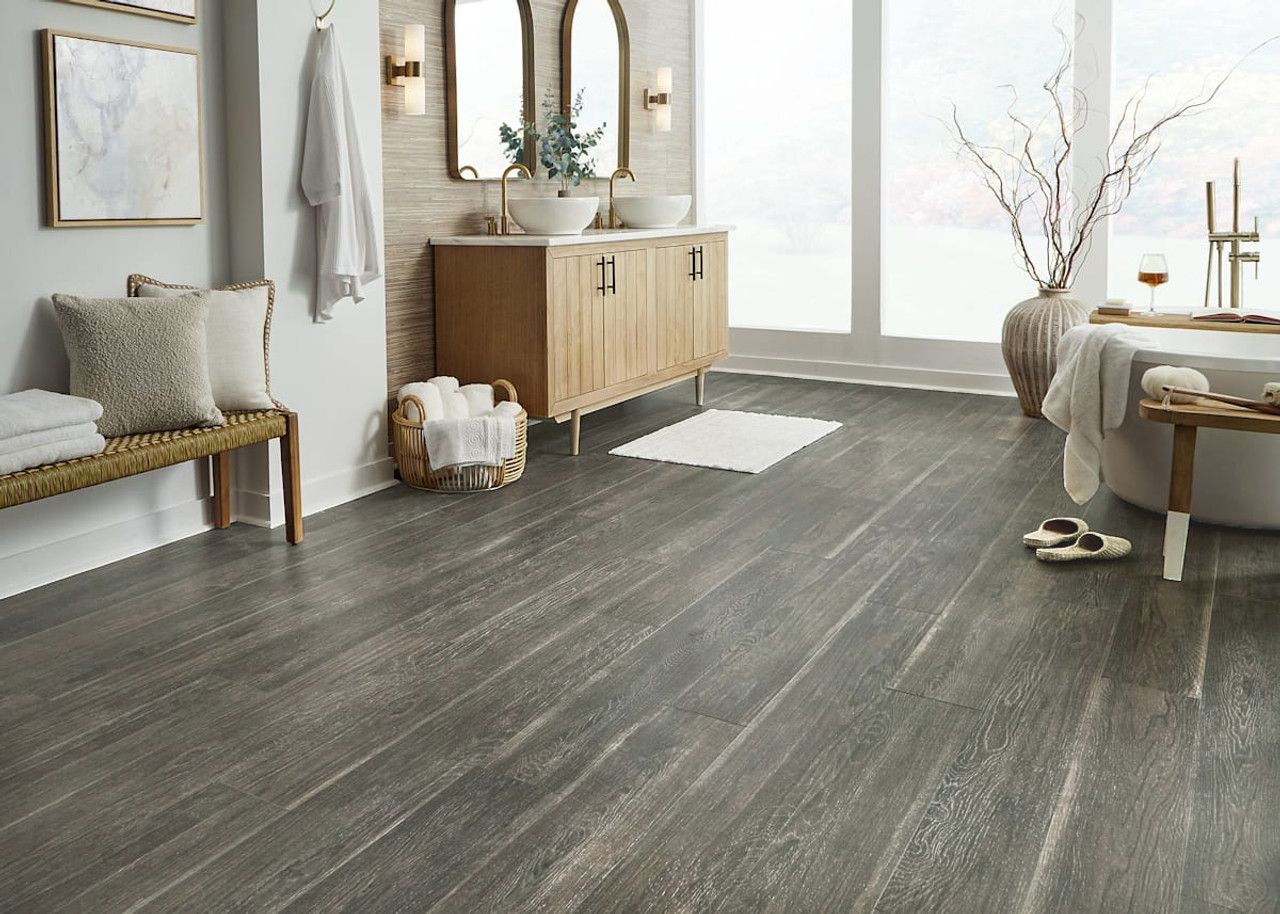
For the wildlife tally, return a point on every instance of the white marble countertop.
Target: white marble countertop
(591, 236)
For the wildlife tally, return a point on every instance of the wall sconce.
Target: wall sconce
(408, 72)
(659, 100)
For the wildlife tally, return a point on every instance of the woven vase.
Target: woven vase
(1030, 342)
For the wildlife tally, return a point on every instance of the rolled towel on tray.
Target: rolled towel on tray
(1271, 393)
(52, 452)
(31, 411)
(1157, 379)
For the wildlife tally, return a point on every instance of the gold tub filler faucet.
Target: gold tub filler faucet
(1235, 238)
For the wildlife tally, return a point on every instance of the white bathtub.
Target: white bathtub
(1237, 480)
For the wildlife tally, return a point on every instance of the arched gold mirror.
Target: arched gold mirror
(489, 82)
(595, 60)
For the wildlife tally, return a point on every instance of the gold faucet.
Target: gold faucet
(613, 207)
(506, 217)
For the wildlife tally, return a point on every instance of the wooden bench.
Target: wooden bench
(133, 454)
(1186, 421)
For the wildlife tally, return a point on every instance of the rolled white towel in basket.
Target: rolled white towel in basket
(428, 393)
(507, 408)
(1271, 393)
(479, 398)
(455, 406)
(446, 384)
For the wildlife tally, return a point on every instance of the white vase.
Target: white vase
(1032, 330)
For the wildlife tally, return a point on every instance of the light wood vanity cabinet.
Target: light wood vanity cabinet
(581, 324)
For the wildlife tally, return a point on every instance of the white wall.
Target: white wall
(258, 224)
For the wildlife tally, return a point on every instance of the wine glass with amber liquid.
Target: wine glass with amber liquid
(1153, 271)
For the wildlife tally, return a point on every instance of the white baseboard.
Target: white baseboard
(877, 375)
(71, 556)
(86, 551)
(266, 509)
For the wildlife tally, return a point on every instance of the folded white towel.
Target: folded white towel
(1157, 379)
(429, 394)
(445, 383)
(507, 408)
(37, 410)
(475, 440)
(53, 452)
(48, 436)
(1089, 397)
(1271, 393)
(479, 399)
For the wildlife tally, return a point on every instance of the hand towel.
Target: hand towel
(429, 394)
(38, 410)
(476, 440)
(48, 436)
(54, 452)
(1157, 379)
(1089, 396)
(1271, 393)
(479, 399)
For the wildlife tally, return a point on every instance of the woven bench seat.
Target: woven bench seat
(130, 455)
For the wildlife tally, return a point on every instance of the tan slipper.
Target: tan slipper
(1056, 531)
(1089, 546)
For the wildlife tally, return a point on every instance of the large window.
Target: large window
(947, 259)
(777, 158)
(1176, 43)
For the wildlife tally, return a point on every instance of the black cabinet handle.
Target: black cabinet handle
(693, 264)
(702, 263)
(603, 280)
(613, 283)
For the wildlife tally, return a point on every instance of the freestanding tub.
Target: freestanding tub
(1237, 481)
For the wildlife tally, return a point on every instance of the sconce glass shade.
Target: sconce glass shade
(663, 112)
(415, 42)
(664, 80)
(415, 95)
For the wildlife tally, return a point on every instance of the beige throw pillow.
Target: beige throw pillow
(238, 334)
(143, 360)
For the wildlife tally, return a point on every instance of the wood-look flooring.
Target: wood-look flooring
(841, 685)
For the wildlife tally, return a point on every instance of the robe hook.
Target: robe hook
(322, 19)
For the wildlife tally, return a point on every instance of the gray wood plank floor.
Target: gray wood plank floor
(841, 685)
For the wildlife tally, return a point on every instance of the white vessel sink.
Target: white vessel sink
(554, 215)
(654, 211)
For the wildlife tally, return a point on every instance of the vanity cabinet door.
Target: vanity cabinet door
(711, 300)
(628, 318)
(673, 304)
(576, 332)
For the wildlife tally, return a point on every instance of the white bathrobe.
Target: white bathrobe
(334, 180)
(1089, 397)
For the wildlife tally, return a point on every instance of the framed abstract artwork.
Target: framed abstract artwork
(175, 10)
(123, 132)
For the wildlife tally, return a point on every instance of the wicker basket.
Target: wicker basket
(415, 469)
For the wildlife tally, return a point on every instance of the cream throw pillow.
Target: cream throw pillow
(144, 361)
(239, 332)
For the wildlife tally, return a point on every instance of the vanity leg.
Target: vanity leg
(1178, 523)
(700, 385)
(575, 432)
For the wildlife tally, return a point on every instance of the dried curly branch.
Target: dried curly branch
(1030, 175)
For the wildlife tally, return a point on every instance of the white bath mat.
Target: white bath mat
(729, 440)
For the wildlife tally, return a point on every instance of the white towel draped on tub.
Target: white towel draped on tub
(334, 180)
(1089, 396)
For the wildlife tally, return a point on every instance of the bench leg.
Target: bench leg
(221, 464)
(1178, 523)
(292, 480)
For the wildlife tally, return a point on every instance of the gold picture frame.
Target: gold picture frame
(122, 7)
(56, 217)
